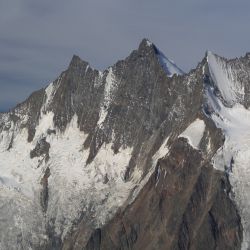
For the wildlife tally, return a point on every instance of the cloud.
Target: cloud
(38, 38)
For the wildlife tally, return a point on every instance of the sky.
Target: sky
(39, 38)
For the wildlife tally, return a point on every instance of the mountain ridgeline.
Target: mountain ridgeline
(139, 156)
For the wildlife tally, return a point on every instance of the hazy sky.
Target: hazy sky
(38, 38)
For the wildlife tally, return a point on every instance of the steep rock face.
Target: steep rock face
(179, 208)
(121, 159)
(124, 103)
(231, 78)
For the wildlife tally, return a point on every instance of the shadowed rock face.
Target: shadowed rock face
(179, 200)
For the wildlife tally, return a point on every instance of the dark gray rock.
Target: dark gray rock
(41, 149)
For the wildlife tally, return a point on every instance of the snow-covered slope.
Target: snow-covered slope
(194, 133)
(234, 156)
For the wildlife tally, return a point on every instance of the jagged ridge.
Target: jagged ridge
(96, 140)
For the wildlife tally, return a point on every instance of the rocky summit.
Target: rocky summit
(140, 156)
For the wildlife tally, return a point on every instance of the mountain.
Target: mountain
(139, 156)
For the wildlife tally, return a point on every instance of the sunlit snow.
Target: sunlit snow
(234, 156)
(194, 133)
(109, 87)
(223, 77)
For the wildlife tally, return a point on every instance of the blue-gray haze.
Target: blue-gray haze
(38, 38)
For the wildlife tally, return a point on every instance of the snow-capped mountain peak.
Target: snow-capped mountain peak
(129, 158)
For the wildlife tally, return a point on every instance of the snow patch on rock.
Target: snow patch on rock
(194, 133)
(49, 93)
(109, 87)
(161, 152)
(137, 174)
(149, 43)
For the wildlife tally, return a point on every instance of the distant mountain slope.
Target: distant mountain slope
(140, 156)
